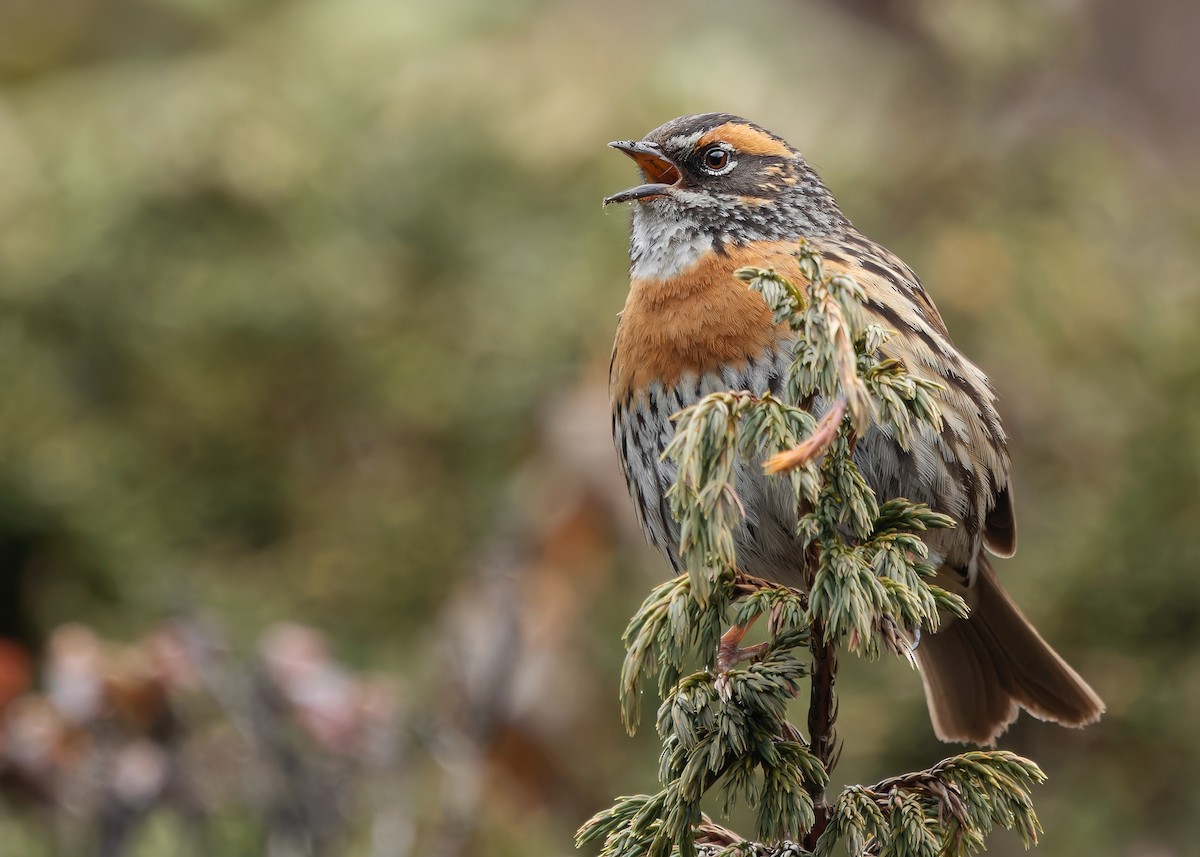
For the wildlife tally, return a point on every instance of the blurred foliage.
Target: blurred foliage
(305, 309)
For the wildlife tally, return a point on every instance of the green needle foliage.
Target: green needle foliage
(722, 721)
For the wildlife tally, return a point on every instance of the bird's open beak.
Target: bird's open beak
(659, 172)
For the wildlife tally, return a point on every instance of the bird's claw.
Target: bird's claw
(729, 650)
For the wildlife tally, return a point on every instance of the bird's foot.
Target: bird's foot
(902, 643)
(729, 650)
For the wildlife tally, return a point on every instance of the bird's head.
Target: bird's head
(713, 180)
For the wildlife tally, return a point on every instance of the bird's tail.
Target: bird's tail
(978, 672)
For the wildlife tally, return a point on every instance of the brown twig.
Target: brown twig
(822, 717)
(928, 781)
(747, 584)
(710, 833)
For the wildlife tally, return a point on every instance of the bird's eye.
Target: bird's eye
(716, 159)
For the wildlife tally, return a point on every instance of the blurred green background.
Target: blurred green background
(305, 310)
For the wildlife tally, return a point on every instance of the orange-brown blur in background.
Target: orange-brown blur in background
(312, 540)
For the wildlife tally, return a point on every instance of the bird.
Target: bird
(719, 193)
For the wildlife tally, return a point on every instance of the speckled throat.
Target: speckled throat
(669, 234)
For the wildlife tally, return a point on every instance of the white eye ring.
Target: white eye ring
(724, 161)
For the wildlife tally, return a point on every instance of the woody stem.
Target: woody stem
(822, 716)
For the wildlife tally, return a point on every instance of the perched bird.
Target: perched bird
(721, 193)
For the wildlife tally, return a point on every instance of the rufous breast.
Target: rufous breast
(698, 321)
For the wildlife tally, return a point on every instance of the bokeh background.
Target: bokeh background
(311, 536)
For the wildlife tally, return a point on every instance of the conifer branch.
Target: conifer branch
(722, 721)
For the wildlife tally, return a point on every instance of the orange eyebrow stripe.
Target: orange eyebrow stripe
(746, 139)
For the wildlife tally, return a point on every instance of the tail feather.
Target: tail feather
(979, 672)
